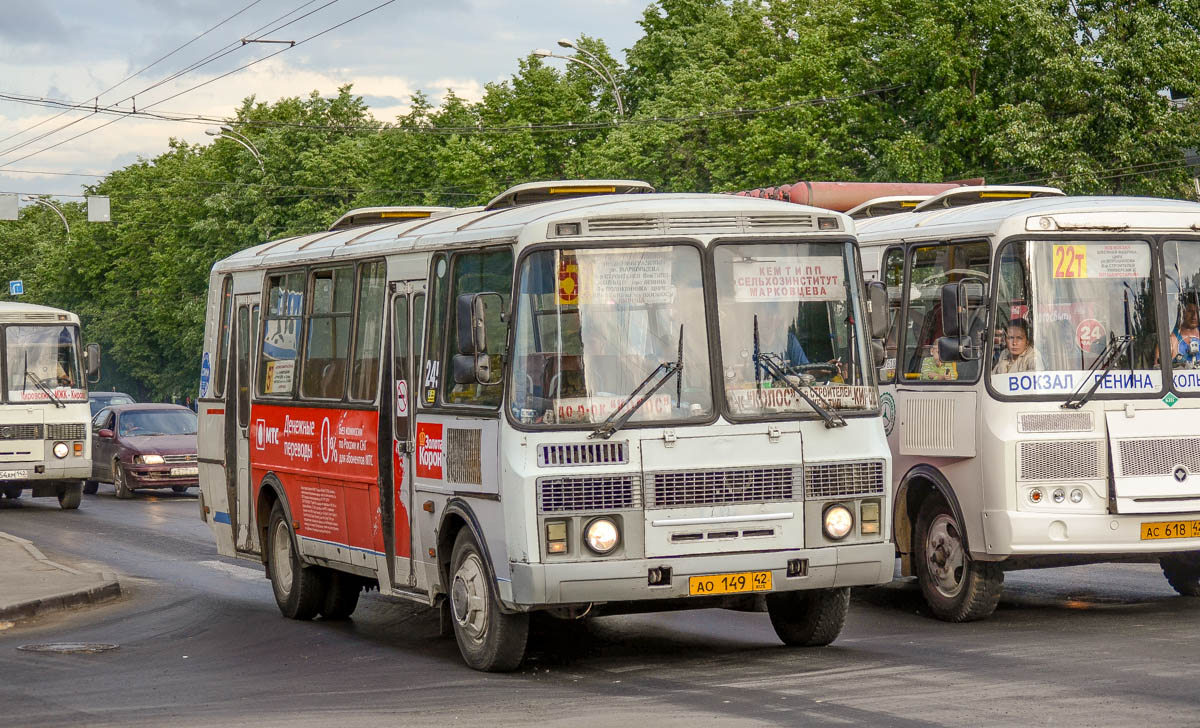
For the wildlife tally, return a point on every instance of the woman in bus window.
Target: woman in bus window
(1020, 356)
(1186, 336)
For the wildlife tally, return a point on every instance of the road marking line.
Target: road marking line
(238, 572)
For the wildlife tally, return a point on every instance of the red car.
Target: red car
(137, 446)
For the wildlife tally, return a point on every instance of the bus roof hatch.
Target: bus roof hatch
(532, 192)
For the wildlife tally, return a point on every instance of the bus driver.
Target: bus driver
(1020, 356)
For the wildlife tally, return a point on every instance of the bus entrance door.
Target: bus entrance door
(406, 314)
(240, 509)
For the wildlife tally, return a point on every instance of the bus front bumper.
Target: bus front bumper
(628, 580)
(1009, 533)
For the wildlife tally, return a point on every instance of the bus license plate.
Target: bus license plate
(186, 471)
(746, 581)
(1171, 529)
(13, 474)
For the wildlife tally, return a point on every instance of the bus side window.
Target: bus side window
(244, 337)
(281, 334)
(430, 375)
(932, 267)
(368, 331)
(328, 342)
(218, 382)
(488, 271)
(892, 274)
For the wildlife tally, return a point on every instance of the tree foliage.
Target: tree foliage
(719, 95)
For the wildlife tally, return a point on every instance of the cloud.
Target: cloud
(26, 23)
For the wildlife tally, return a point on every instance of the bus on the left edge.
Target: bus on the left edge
(45, 443)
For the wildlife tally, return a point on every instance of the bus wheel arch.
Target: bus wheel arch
(270, 492)
(917, 486)
(456, 516)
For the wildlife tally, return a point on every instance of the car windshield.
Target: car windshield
(152, 423)
(1062, 305)
(43, 360)
(594, 324)
(795, 307)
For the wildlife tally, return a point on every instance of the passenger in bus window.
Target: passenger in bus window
(934, 369)
(1020, 355)
(1186, 336)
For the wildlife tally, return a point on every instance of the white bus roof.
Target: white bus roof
(1035, 215)
(985, 194)
(534, 192)
(889, 205)
(608, 217)
(377, 215)
(17, 312)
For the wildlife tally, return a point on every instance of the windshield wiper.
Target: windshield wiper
(770, 363)
(1107, 359)
(45, 389)
(661, 374)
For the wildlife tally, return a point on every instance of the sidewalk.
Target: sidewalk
(31, 584)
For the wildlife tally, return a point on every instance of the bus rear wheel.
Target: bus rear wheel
(299, 589)
(90, 487)
(341, 595)
(1183, 572)
(488, 639)
(956, 587)
(809, 618)
(70, 496)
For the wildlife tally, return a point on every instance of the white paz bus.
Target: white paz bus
(1041, 386)
(45, 438)
(583, 397)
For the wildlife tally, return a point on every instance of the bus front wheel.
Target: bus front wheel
(488, 639)
(299, 589)
(70, 496)
(1183, 572)
(12, 492)
(809, 618)
(956, 587)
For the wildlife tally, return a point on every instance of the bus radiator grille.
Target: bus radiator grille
(676, 489)
(66, 432)
(1056, 422)
(576, 494)
(20, 432)
(583, 453)
(1062, 460)
(843, 480)
(1158, 456)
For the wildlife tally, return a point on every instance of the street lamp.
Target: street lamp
(57, 210)
(226, 132)
(604, 74)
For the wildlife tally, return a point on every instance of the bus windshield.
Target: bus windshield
(43, 359)
(1062, 305)
(594, 324)
(793, 305)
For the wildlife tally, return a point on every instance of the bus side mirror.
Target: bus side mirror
(954, 310)
(877, 308)
(91, 357)
(957, 348)
(471, 364)
(878, 352)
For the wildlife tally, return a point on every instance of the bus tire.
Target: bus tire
(1183, 572)
(121, 482)
(956, 587)
(341, 595)
(488, 639)
(12, 492)
(810, 618)
(90, 487)
(179, 488)
(299, 590)
(70, 496)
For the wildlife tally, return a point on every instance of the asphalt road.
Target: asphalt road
(202, 643)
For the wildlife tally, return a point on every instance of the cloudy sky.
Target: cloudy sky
(74, 50)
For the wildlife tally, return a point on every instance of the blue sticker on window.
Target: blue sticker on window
(205, 375)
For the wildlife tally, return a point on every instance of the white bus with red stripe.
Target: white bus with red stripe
(582, 398)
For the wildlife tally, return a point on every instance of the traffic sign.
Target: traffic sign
(16, 288)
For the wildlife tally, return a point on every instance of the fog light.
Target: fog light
(602, 536)
(659, 576)
(1059, 495)
(1035, 495)
(556, 537)
(868, 515)
(1077, 496)
(61, 449)
(838, 522)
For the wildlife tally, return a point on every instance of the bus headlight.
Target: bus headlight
(151, 459)
(602, 536)
(838, 522)
(61, 450)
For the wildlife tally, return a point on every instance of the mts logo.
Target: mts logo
(265, 435)
(431, 451)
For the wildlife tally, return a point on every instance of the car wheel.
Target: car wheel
(341, 595)
(956, 587)
(299, 589)
(488, 639)
(90, 487)
(121, 481)
(12, 492)
(179, 488)
(1183, 572)
(70, 495)
(809, 618)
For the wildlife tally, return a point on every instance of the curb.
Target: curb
(108, 588)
